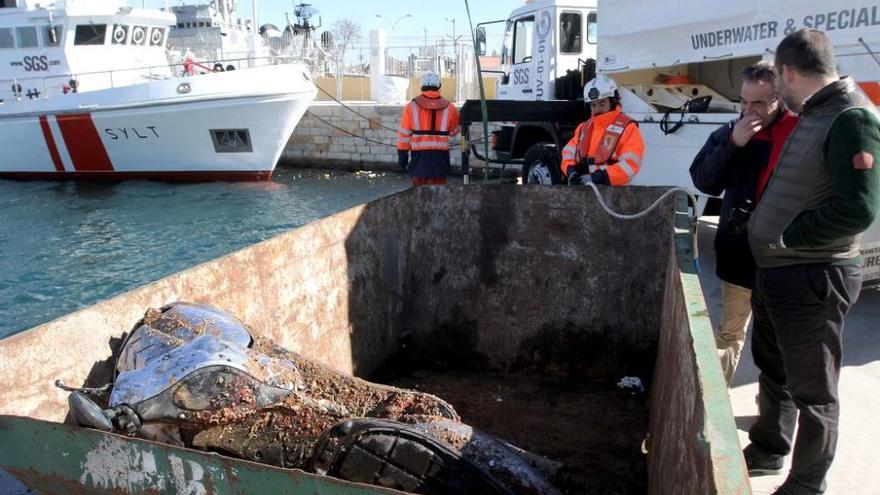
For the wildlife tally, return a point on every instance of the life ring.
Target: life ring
(119, 34)
(138, 35)
(156, 37)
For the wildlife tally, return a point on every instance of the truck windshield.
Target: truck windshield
(522, 39)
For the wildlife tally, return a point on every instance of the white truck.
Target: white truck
(678, 67)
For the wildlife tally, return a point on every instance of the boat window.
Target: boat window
(592, 26)
(157, 35)
(90, 34)
(180, 25)
(49, 39)
(27, 37)
(570, 32)
(120, 34)
(8, 4)
(522, 40)
(139, 35)
(7, 40)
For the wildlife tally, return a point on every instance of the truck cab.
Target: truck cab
(548, 53)
(543, 42)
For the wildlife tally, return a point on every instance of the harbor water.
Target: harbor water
(67, 245)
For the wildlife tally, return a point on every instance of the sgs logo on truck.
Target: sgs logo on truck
(35, 63)
(521, 76)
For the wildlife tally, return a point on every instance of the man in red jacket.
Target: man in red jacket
(737, 160)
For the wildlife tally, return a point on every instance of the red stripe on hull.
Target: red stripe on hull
(172, 176)
(50, 143)
(83, 143)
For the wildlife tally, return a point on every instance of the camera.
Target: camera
(739, 216)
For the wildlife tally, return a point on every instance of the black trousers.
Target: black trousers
(797, 345)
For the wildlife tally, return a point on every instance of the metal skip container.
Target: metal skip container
(519, 283)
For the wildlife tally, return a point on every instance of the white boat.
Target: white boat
(214, 31)
(87, 92)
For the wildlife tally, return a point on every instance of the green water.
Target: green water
(67, 245)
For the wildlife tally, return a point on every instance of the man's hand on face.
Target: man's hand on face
(745, 128)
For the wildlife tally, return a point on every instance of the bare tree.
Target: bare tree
(346, 32)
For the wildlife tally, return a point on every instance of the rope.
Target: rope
(352, 110)
(380, 143)
(694, 218)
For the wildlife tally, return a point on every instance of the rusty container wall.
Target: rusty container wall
(693, 445)
(529, 278)
(515, 278)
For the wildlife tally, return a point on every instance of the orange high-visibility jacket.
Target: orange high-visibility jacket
(614, 143)
(426, 126)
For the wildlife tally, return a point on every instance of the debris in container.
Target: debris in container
(631, 384)
(196, 376)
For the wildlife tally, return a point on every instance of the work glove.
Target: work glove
(403, 159)
(583, 166)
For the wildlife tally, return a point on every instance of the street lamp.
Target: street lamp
(399, 19)
(394, 24)
(452, 20)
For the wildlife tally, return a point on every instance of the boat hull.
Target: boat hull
(154, 133)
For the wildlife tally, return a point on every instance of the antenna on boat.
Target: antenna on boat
(53, 36)
(255, 27)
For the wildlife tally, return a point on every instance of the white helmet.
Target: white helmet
(430, 80)
(600, 87)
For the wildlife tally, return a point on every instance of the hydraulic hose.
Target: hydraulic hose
(694, 216)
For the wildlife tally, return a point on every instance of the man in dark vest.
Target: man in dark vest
(805, 236)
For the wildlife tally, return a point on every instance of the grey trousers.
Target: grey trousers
(797, 344)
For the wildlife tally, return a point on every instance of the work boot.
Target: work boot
(761, 463)
(793, 487)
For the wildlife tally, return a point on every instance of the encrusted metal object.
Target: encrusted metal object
(200, 370)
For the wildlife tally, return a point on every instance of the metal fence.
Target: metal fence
(406, 56)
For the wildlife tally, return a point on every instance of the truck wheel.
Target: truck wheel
(541, 165)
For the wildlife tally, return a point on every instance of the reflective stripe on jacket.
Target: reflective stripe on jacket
(613, 141)
(426, 126)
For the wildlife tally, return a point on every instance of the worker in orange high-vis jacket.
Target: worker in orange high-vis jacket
(608, 148)
(426, 126)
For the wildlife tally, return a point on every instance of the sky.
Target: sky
(425, 15)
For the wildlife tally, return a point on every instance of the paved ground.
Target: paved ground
(856, 469)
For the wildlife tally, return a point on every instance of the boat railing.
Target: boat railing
(37, 87)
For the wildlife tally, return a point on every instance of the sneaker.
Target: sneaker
(395, 455)
(761, 463)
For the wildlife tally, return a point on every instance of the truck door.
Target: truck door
(522, 72)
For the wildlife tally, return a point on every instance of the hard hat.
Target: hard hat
(431, 80)
(600, 87)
